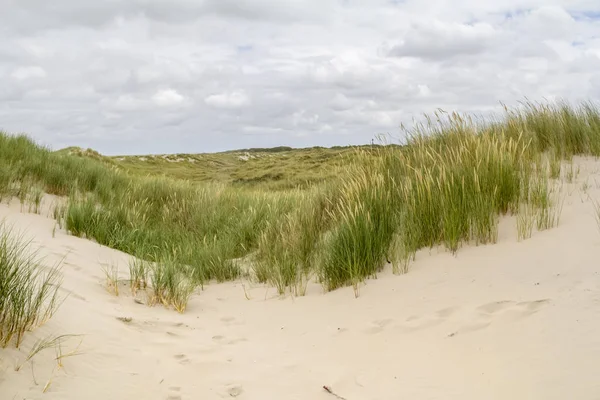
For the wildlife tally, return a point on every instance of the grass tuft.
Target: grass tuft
(169, 285)
(111, 273)
(28, 293)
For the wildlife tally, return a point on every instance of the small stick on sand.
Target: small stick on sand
(328, 390)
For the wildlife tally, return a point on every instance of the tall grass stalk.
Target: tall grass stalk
(526, 218)
(169, 284)
(138, 275)
(549, 216)
(111, 273)
(28, 293)
(363, 222)
(286, 256)
(398, 254)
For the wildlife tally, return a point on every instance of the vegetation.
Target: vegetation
(279, 168)
(28, 295)
(446, 186)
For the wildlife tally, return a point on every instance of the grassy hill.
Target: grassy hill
(189, 219)
(277, 168)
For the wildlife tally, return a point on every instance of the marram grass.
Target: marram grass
(28, 293)
(446, 186)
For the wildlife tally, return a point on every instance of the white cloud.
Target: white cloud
(423, 90)
(230, 100)
(167, 97)
(441, 40)
(550, 22)
(268, 72)
(23, 73)
(302, 119)
(127, 102)
(340, 102)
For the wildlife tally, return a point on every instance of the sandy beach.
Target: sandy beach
(513, 320)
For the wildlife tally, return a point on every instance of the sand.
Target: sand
(514, 320)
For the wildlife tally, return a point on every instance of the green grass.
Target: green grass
(449, 185)
(287, 254)
(290, 214)
(363, 221)
(139, 272)
(170, 286)
(279, 168)
(28, 294)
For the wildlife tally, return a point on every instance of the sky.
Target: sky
(193, 76)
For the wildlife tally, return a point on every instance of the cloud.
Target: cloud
(207, 75)
(127, 102)
(301, 119)
(230, 100)
(277, 11)
(167, 97)
(23, 73)
(550, 22)
(438, 40)
(340, 102)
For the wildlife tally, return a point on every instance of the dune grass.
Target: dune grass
(271, 169)
(446, 186)
(449, 184)
(288, 253)
(28, 294)
(170, 286)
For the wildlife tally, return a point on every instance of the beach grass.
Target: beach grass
(446, 185)
(28, 292)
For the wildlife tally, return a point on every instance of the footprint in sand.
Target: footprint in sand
(533, 306)
(174, 393)
(378, 325)
(235, 341)
(235, 390)
(229, 321)
(523, 308)
(474, 327)
(445, 312)
(495, 306)
(526, 308)
(181, 325)
(416, 323)
(500, 309)
(182, 359)
(221, 339)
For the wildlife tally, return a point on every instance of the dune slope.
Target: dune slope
(514, 320)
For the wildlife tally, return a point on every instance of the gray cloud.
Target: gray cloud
(434, 40)
(139, 76)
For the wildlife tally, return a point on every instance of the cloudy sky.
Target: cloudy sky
(158, 76)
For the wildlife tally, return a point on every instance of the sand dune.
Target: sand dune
(514, 320)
